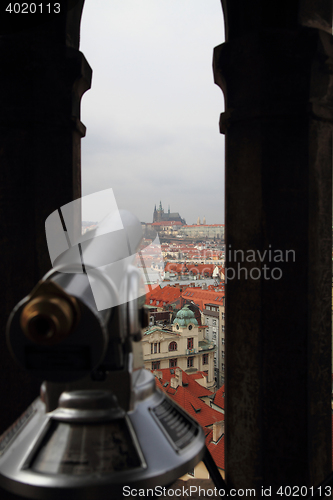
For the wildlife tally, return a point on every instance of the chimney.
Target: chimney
(177, 379)
(173, 383)
(179, 376)
(218, 430)
(157, 374)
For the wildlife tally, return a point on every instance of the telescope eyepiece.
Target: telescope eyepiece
(48, 318)
(41, 326)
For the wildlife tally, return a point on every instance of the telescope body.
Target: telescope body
(99, 424)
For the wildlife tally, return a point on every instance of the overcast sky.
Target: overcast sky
(153, 110)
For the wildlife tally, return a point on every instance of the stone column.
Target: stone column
(276, 76)
(43, 76)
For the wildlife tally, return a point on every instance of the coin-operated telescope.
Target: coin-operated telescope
(100, 423)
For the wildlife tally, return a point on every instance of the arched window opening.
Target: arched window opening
(173, 346)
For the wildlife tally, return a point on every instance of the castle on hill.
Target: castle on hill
(160, 216)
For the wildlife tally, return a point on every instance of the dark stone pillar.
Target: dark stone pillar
(43, 76)
(278, 125)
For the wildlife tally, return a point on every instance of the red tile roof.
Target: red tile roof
(218, 398)
(202, 297)
(188, 398)
(158, 383)
(202, 413)
(204, 225)
(216, 450)
(174, 267)
(195, 269)
(166, 294)
(197, 375)
(191, 385)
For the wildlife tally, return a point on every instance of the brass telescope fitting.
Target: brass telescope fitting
(50, 314)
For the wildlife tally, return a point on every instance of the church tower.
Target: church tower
(160, 213)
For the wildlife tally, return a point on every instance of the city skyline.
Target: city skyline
(153, 110)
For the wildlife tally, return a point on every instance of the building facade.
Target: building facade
(184, 345)
(203, 231)
(213, 317)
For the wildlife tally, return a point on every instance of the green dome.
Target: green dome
(184, 317)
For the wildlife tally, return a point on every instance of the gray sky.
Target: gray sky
(153, 110)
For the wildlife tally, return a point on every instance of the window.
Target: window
(155, 348)
(205, 359)
(222, 366)
(190, 362)
(173, 346)
(223, 353)
(173, 363)
(223, 328)
(155, 365)
(191, 472)
(223, 340)
(223, 315)
(214, 322)
(190, 343)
